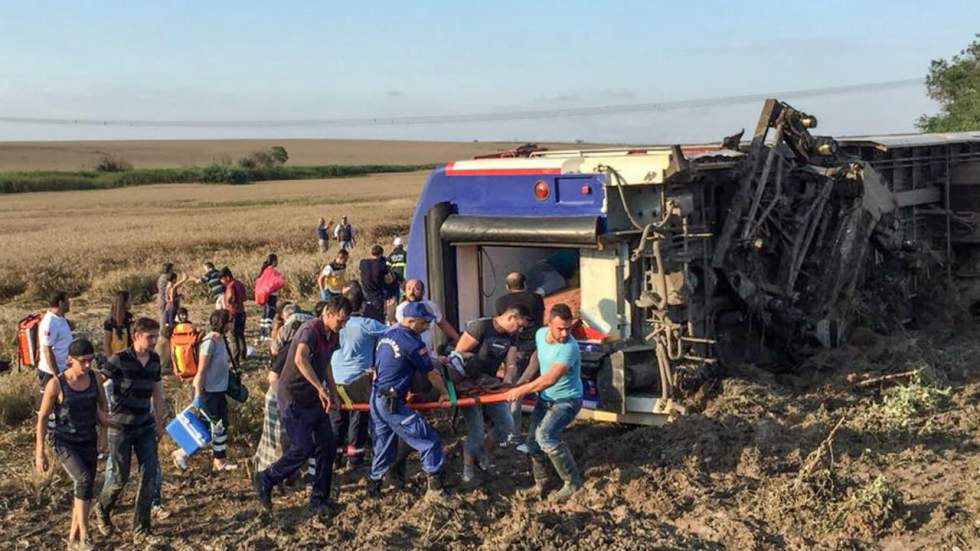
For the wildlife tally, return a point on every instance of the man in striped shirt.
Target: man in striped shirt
(136, 414)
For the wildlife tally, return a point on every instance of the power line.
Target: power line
(662, 106)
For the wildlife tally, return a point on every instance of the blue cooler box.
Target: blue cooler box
(189, 431)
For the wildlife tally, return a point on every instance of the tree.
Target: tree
(955, 84)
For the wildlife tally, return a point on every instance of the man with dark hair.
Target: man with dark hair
(235, 304)
(344, 234)
(518, 293)
(333, 276)
(415, 292)
(307, 393)
(54, 337)
(560, 399)
(485, 344)
(399, 356)
(211, 278)
(136, 413)
(351, 366)
(373, 272)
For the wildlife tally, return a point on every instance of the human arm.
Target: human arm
(203, 363)
(102, 407)
(181, 280)
(548, 379)
(451, 333)
(52, 393)
(107, 342)
(49, 357)
(466, 343)
(531, 371)
(435, 378)
(159, 407)
(510, 363)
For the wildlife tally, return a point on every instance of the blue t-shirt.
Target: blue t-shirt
(569, 385)
(356, 353)
(400, 353)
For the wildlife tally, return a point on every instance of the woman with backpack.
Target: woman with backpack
(116, 335)
(267, 287)
(76, 399)
(210, 386)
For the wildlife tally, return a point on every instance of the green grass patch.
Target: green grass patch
(46, 180)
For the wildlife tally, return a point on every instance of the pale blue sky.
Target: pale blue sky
(296, 60)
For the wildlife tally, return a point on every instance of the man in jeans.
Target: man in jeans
(136, 414)
(560, 399)
(235, 304)
(307, 393)
(486, 343)
(518, 293)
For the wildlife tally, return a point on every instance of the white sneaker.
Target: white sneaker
(159, 513)
(484, 463)
(523, 448)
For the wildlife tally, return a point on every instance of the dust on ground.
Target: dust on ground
(872, 446)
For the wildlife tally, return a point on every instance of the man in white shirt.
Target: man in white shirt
(54, 336)
(415, 292)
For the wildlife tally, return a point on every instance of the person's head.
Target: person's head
(287, 310)
(560, 322)
(182, 315)
(219, 321)
(120, 307)
(58, 301)
(513, 319)
(167, 268)
(414, 290)
(209, 266)
(342, 256)
(322, 221)
(271, 260)
(417, 317)
(226, 275)
(344, 219)
(318, 308)
(516, 281)
(146, 331)
(81, 353)
(336, 312)
(172, 277)
(355, 295)
(377, 250)
(398, 242)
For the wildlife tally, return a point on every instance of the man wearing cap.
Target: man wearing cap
(399, 355)
(397, 257)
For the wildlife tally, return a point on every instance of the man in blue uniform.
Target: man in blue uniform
(399, 355)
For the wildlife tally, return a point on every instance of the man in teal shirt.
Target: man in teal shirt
(560, 386)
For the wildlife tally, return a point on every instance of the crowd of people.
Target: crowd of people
(339, 377)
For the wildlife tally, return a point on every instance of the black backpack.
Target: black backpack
(344, 233)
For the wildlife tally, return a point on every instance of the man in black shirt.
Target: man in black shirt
(373, 272)
(518, 293)
(489, 342)
(306, 394)
(136, 414)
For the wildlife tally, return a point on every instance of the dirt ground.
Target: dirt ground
(79, 155)
(756, 464)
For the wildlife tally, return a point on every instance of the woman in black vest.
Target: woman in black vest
(77, 400)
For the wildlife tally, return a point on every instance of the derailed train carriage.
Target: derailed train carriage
(679, 260)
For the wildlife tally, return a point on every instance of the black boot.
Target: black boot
(541, 472)
(435, 491)
(398, 474)
(374, 488)
(561, 458)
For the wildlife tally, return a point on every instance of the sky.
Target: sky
(243, 60)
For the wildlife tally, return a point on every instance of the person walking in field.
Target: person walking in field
(175, 282)
(210, 387)
(162, 281)
(211, 278)
(307, 393)
(267, 286)
(344, 234)
(235, 305)
(397, 259)
(373, 271)
(323, 234)
(136, 425)
(54, 336)
(333, 277)
(116, 334)
(76, 399)
(558, 359)
(351, 366)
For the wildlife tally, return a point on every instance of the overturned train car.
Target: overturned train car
(681, 259)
